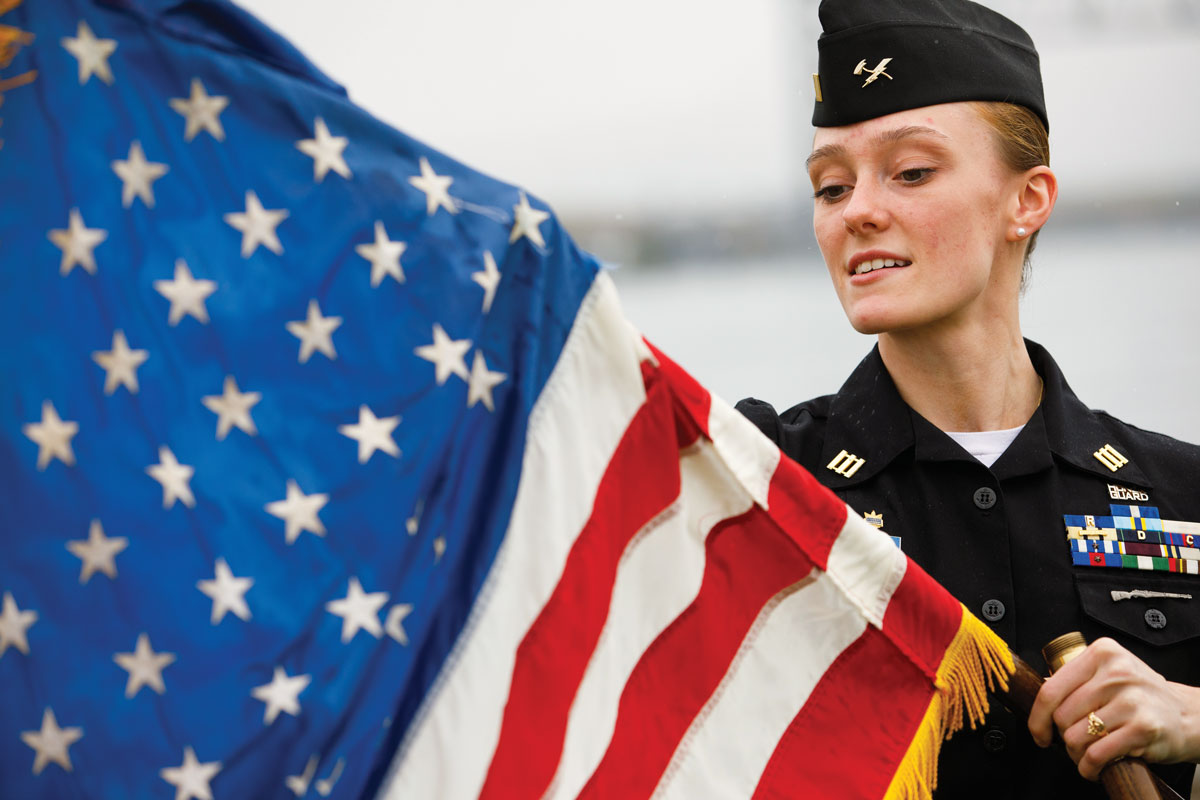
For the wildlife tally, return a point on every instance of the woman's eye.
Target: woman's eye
(831, 194)
(915, 175)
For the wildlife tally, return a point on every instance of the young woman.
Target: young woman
(961, 439)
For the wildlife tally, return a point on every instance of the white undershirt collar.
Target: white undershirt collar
(986, 446)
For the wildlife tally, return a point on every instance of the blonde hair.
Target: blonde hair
(1023, 142)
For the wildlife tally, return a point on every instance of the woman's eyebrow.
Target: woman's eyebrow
(892, 136)
(824, 153)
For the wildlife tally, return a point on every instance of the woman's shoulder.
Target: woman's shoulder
(1154, 452)
(798, 431)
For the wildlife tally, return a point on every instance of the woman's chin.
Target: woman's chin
(872, 321)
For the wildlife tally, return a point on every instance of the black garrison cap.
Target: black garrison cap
(882, 56)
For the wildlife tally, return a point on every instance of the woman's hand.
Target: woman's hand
(1144, 714)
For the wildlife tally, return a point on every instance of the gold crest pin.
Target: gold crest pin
(874, 519)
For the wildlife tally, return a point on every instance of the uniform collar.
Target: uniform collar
(869, 421)
(1075, 433)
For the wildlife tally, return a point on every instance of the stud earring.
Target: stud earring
(1021, 232)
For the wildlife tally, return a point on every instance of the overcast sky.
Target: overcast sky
(646, 106)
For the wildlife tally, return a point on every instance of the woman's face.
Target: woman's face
(911, 213)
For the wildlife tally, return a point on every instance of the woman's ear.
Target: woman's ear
(1034, 202)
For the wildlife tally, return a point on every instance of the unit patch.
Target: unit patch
(1134, 537)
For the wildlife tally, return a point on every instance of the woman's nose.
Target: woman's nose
(865, 210)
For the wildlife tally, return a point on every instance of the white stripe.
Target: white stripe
(589, 400)
(1144, 562)
(658, 578)
(790, 647)
(1180, 526)
(751, 455)
(867, 566)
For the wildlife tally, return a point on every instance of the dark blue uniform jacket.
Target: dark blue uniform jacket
(997, 539)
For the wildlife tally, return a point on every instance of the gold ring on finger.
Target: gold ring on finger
(1096, 726)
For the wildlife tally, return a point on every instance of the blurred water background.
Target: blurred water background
(670, 138)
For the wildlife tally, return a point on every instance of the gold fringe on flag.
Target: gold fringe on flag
(11, 41)
(976, 662)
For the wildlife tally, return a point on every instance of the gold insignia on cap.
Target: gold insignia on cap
(872, 74)
(845, 464)
(1109, 457)
(817, 86)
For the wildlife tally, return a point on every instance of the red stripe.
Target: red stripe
(848, 739)
(693, 399)
(641, 480)
(924, 617)
(808, 512)
(748, 561)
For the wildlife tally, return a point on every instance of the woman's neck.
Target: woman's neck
(979, 379)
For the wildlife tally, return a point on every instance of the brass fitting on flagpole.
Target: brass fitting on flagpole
(1062, 649)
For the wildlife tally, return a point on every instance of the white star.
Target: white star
(488, 278)
(395, 622)
(298, 784)
(482, 381)
(77, 243)
(227, 592)
(174, 478)
(526, 220)
(232, 408)
(120, 364)
(201, 111)
(436, 188)
(257, 225)
(446, 354)
(299, 511)
(372, 433)
(144, 667)
(281, 694)
(14, 625)
(358, 610)
(52, 436)
(137, 174)
(315, 333)
(325, 151)
(191, 778)
(51, 743)
(384, 255)
(91, 53)
(186, 294)
(98, 552)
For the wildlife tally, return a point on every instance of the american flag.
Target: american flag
(332, 469)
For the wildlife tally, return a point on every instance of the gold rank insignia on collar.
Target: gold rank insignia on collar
(874, 519)
(817, 87)
(845, 464)
(1109, 457)
(873, 74)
